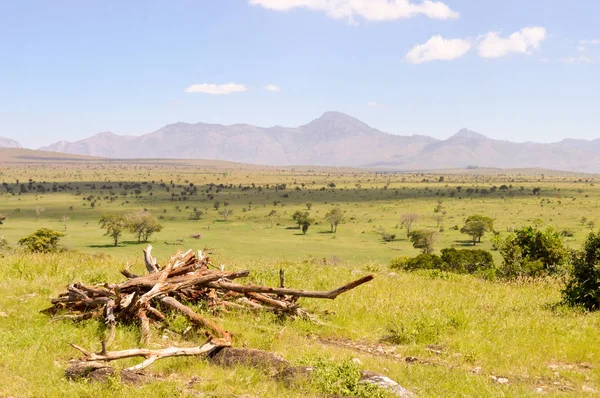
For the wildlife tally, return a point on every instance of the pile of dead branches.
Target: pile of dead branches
(186, 278)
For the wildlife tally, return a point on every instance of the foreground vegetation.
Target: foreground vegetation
(462, 334)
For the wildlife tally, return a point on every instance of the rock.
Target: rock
(588, 389)
(100, 372)
(385, 383)
(499, 380)
(392, 274)
(411, 359)
(476, 370)
(357, 361)
(248, 357)
(3, 314)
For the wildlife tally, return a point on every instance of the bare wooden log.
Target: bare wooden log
(150, 355)
(149, 261)
(196, 319)
(332, 294)
(110, 322)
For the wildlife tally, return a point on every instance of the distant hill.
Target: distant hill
(336, 139)
(8, 143)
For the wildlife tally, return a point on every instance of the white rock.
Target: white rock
(357, 361)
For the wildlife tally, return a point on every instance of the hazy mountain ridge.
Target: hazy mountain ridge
(8, 143)
(336, 139)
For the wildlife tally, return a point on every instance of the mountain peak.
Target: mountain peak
(468, 134)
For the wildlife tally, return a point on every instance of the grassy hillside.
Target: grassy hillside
(462, 330)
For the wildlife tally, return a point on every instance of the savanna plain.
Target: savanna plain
(437, 333)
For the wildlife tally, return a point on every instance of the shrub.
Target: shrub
(583, 287)
(466, 261)
(399, 262)
(530, 251)
(43, 240)
(424, 261)
(343, 379)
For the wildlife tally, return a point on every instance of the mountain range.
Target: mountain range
(336, 139)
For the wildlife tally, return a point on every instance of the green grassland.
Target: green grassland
(462, 329)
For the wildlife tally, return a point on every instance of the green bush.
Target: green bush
(343, 379)
(424, 261)
(43, 240)
(466, 261)
(583, 287)
(463, 261)
(530, 251)
(399, 262)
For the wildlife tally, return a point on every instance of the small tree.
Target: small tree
(408, 220)
(303, 220)
(43, 240)
(143, 225)
(65, 219)
(530, 251)
(476, 226)
(38, 211)
(334, 216)
(272, 215)
(226, 213)
(308, 205)
(114, 225)
(2, 219)
(424, 240)
(438, 219)
(216, 205)
(583, 287)
(196, 214)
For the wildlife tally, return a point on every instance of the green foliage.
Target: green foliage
(423, 239)
(115, 225)
(399, 262)
(343, 379)
(466, 261)
(476, 226)
(334, 216)
(196, 214)
(583, 287)
(463, 261)
(530, 251)
(143, 225)
(43, 240)
(303, 220)
(424, 261)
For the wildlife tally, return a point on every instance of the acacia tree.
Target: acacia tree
(43, 240)
(335, 216)
(143, 224)
(226, 213)
(476, 226)
(424, 240)
(407, 220)
(114, 224)
(272, 215)
(303, 220)
(38, 211)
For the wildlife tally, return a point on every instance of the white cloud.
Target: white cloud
(370, 10)
(522, 42)
(573, 60)
(438, 49)
(582, 46)
(227, 88)
(272, 87)
(373, 104)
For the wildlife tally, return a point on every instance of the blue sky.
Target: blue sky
(522, 70)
